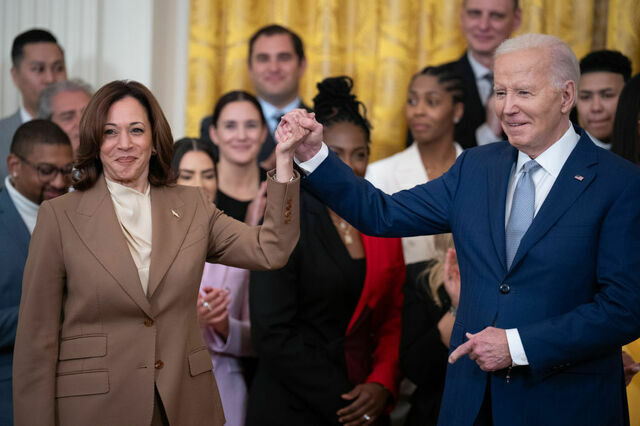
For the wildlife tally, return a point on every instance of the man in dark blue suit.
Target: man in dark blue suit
(547, 231)
(39, 167)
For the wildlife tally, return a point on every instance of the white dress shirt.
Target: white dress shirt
(27, 209)
(480, 72)
(551, 161)
(24, 115)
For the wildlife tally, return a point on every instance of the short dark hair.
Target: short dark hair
(448, 78)
(235, 96)
(625, 140)
(36, 132)
(275, 29)
(606, 61)
(35, 35)
(516, 4)
(184, 145)
(92, 124)
(335, 103)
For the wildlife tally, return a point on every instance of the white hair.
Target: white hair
(564, 65)
(45, 110)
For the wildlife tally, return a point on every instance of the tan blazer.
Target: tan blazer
(90, 345)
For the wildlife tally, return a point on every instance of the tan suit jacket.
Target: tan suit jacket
(91, 346)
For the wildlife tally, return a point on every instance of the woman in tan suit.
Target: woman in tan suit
(107, 332)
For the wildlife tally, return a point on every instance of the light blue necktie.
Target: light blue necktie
(522, 210)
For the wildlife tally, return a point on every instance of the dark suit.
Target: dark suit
(14, 246)
(572, 291)
(8, 127)
(267, 147)
(313, 341)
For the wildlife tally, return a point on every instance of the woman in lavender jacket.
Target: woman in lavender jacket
(223, 305)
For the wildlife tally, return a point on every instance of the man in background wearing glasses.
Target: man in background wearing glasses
(40, 168)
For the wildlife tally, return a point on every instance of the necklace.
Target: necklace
(343, 227)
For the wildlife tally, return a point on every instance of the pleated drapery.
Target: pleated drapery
(379, 43)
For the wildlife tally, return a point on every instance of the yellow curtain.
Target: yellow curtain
(379, 43)
(623, 29)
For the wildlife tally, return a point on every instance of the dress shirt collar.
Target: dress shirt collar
(27, 209)
(24, 114)
(270, 111)
(479, 70)
(554, 157)
(598, 142)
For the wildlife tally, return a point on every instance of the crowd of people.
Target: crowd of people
(264, 273)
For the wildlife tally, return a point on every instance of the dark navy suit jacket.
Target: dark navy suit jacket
(573, 290)
(14, 246)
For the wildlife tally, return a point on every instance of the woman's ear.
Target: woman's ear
(213, 134)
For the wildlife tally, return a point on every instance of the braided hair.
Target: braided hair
(448, 78)
(335, 103)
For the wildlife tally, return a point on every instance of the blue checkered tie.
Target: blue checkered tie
(522, 209)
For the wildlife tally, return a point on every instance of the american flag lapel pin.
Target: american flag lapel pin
(578, 177)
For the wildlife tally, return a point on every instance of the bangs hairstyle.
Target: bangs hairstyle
(448, 78)
(335, 103)
(92, 124)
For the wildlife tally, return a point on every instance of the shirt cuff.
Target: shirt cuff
(518, 357)
(310, 165)
(484, 135)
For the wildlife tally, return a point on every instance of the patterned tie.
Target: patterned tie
(522, 209)
(276, 117)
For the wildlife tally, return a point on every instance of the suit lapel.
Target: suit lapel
(566, 189)
(13, 222)
(498, 177)
(170, 221)
(97, 225)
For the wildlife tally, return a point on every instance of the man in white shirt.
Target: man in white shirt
(485, 24)
(603, 74)
(547, 232)
(276, 63)
(39, 169)
(37, 61)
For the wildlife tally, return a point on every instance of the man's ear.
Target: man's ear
(13, 165)
(568, 93)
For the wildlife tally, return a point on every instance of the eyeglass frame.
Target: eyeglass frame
(54, 172)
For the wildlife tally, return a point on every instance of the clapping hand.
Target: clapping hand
(630, 367)
(212, 309)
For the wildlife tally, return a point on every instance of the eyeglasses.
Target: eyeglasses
(47, 171)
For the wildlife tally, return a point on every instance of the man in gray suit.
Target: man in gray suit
(37, 61)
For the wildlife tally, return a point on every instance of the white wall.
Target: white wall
(105, 40)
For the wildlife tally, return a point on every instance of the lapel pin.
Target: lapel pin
(175, 213)
(579, 177)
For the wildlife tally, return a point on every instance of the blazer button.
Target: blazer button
(159, 364)
(148, 322)
(504, 288)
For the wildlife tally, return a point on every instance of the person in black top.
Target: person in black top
(428, 314)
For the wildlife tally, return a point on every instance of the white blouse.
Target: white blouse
(133, 210)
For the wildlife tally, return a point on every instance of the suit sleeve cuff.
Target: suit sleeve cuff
(518, 357)
(484, 135)
(310, 165)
